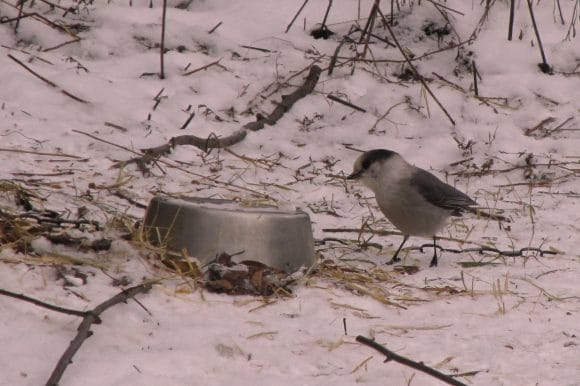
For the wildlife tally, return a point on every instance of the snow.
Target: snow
(515, 321)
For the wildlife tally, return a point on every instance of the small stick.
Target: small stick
(84, 329)
(67, 311)
(296, 16)
(544, 66)
(17, 18)
(346, 103)
(323, 26)
(21, 5)
(372, 18)
(418, 75)
(511, 20)
(257, 49)
(474, 70)
(391, 356)
(162, 45)
(54, 85)
(115, 126)
(287, 101)
(332, 63)
(202, 67)
(560, 12)
(40, 153)
(214, 28)
(366, 28)
(187, 122)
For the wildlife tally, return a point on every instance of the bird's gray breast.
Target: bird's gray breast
(410, 212)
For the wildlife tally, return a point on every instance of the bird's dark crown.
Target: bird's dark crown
(375, 155)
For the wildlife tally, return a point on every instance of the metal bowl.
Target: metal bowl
(204, 228)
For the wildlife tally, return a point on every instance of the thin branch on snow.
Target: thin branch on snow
(419, 76)
(50, 83)
(420, 366)
(40, 303)
(84, 329)
(346, 103)
(214, 142)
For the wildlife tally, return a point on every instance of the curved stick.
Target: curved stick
(391, 356)
(84, 330)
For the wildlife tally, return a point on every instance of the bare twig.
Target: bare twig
(511, 20)
(326, 15)
(62, 310)
(482, 250)
(51, 84)
(420, 366)
(162, 45)
(41, 153)
(214, 28)
(205, 144)
(287, 101)
(257, 48)
(544, 66)
(418, 75)
(572, 27)
(212, 142)
(188, 121)
(475, 76)
(84, 329)
(346, 103)
(20, 6)
(202, 67)
(296, 16)
(332, 63)
(115, 126)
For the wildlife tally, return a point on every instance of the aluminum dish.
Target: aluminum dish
(204, 228)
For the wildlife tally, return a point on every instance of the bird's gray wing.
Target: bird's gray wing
(439, 193)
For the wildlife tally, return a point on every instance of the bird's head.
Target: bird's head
(376, 167)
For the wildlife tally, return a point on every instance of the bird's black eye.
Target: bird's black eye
(366, 163)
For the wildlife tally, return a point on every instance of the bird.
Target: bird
(412, 199)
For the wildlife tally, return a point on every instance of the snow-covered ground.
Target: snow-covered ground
(515, 149)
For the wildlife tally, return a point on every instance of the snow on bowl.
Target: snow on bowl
(204, 228)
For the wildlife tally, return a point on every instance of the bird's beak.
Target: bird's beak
(355, 175)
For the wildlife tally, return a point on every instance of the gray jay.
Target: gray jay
(413, 200)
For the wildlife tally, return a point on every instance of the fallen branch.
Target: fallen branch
(51, 84)
(92, 317)
(214, 142)
(420, 366)
(205, 144)
(287, 101)
(482, 250)
(51, 307)
(142, 160)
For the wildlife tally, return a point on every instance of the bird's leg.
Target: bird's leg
(395, 257)
(434, 259)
